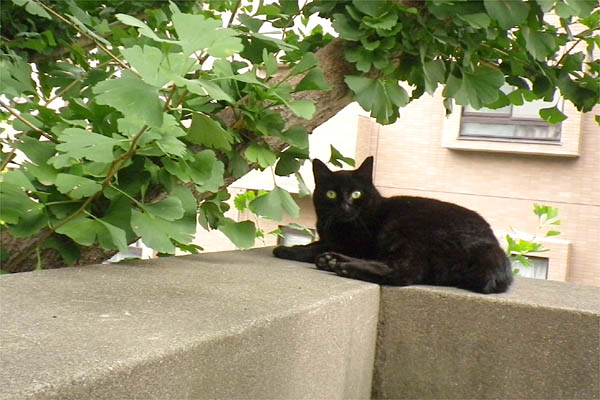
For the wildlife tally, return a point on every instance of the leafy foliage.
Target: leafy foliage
(519, 248)
(119, 106)
(470, 47)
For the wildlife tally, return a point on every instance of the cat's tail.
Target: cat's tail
(492, 270)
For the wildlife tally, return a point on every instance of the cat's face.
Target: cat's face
(344, 196)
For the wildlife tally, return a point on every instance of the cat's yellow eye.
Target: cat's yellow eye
(331, 194)
(357, 194)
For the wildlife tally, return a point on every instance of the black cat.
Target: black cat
(399, 240)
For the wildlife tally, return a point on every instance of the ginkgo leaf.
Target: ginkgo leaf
(79, 143)
(197, 32)
(303, 108)
(147, 61)
(273, 204)
(132, 97)
(261, 155)
(152, 230)
(207, 132)
(76, 186)
(169, 208)
(242, 234)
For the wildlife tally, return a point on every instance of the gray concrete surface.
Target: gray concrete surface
(245, 325)
(541, 340)
(222, 325)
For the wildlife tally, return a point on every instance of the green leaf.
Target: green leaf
(169, 209)
(539, 44)
(373, 8)
(143, 28)
(132, 97)
(77, 186)
(152, 230)
(379, 96)
(79, 143)
(546, 5)
(252, 23)
(273, 204)
(552, 233)
(33, 8)
(15, 203)
(383, 23)
(336, 157)
(15, 77)
(296, 136)
(582, 8)
(260, 155)
(205, 88)
(435, 72)
(508, 13)
(308, 61)
(197, 32)
(287, 165)
(270, 62)
(242, 234)
(302, 108)
(303, 189)
(207, 171)
(81, 229)
(477, 21)
(207, 132)
(361, 57)
(523, 260)
(36, 150)
(477, 89)
(30, 223)
(242, 200)
(18, 178)
(112, 237)
(552, 115)
(314, 80)
(346, 28)
(147, 61)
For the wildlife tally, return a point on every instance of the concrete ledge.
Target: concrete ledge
(222, 325)
(245, 325)
(541, 340)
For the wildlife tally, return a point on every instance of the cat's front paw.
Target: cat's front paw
(330, 261)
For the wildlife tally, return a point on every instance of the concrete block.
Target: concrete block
(217, 325)
(541, 340)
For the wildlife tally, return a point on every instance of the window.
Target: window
(538, 269)
(513, 123)
(514, 129)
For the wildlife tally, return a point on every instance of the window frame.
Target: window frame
(567, 146)
(508, 118)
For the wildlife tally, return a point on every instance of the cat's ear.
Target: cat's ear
(366, 168)
(320, 169)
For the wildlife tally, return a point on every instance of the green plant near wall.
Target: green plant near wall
(135, 116)
(519, 249)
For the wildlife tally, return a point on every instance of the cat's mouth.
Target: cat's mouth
(347, 217)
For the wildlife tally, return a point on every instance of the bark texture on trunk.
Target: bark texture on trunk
(335, 68)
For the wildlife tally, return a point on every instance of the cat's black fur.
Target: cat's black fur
(399, 240)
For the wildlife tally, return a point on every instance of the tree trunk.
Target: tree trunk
(335, 69)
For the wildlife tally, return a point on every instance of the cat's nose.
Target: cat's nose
(346, 206)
